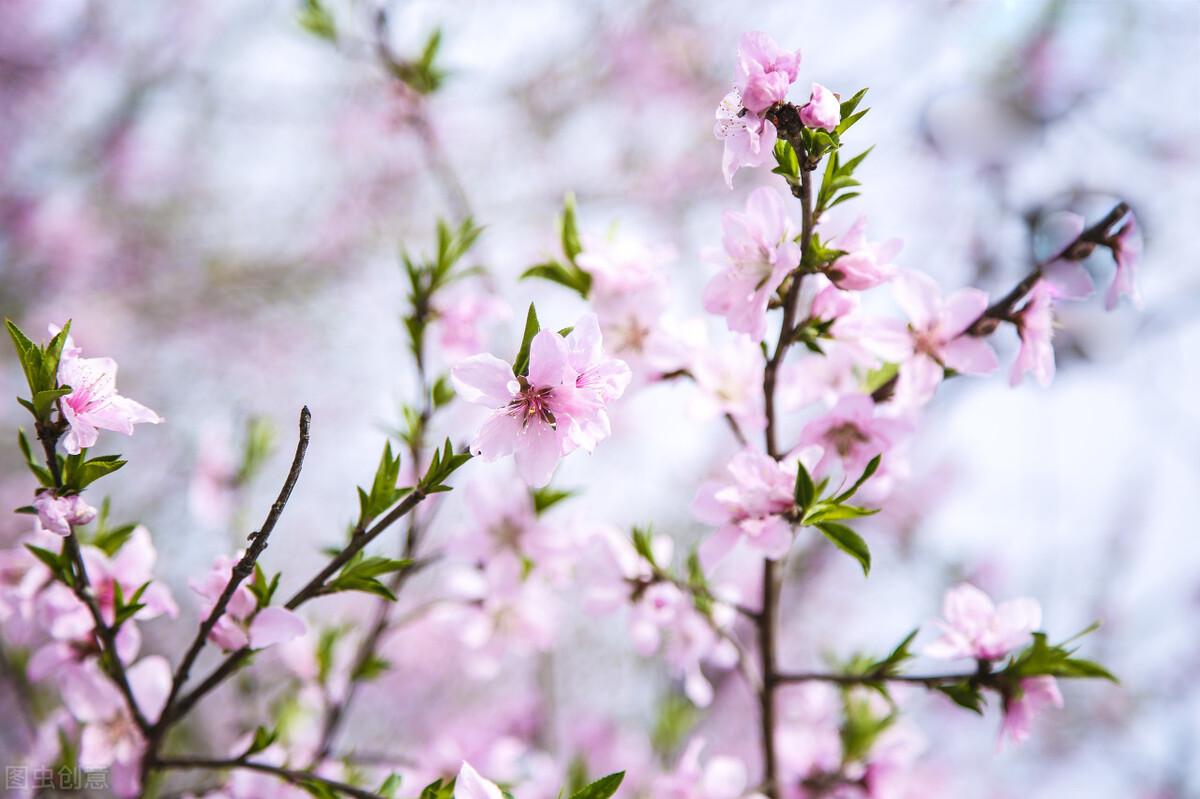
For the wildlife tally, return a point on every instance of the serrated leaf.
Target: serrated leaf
(964, 694)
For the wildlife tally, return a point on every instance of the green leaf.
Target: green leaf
(315, 19)
(964, 694)
(547, 497)
(389, 786)
(572, 277)
(805, 491)
(830, 513)
(848, 107)
(601, 788)
(871, 468)
(28, 353)
(521, 362)
(445, 462)
(58, 564)
(40, 472)
(43, 401)
(848, 121)
(643, 544)
(849, 542)
(889, 665)
(263, 738)
(442, 393)
(79, 474)
(371, 668)
(570, 232)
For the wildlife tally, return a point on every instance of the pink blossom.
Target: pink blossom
(130, 568)
(469, 785)
(243, 624)
(1035, 326)
(865, 265)
(730, 381)
(94, 403)
(852, 433)
(110, 738)
(558, 407)
(973, 627)
(749, 139)
(505, 609)
(722, 777)
(1069, 279)
(823, 110)
(808, 739)
(748, 504)
(1127, 251)
(765, 71)
(58, 514)
(1034, 695)
(935, 338)
(889, 765)
(761, 253)
(461, 317)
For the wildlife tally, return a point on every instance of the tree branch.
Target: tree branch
(291, 776)
(241, 571)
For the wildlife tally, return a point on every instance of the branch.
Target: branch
(1078, 249)
(313, 589)
(928, 680)
(241, 571)
(82, 588)
(288, 775)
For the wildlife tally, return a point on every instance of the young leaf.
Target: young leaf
(547, 497)
(805, 491)
(521, 362)
(601, 788)
(849, 542)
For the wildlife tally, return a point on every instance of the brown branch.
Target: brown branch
(1078, 249)
(928, 680)
(241, 572)
(314, 588)
(82, 588)
(292, 776)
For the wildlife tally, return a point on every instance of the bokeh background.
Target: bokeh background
(218, 198)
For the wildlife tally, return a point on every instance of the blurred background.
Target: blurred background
(218, 199)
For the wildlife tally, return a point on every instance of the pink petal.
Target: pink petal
(275, 626)
(962, 308)
(497, 437)
(537, 452)
(483, 380)
(548, 360)
(970, 356)
(150, 679)
(469, 785)
(918, 296)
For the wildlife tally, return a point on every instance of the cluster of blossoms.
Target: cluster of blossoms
(76, 597)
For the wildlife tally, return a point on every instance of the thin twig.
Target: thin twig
(292, 776)
(241, 571)
(110, 659)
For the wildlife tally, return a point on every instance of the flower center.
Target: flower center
(845, 437)
(532, 402)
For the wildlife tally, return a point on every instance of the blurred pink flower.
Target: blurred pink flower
(747, 504)
(1127, 251)
(94, 403)
(822, 109)
(130, 568)
(1035, 694)
(852, 433)
(110, 738)
(243, 623)
(460, 318)
(973, 627)
(761, 252)
(57, 514)
(864, 265)
(730, 381)
(765, 71)
(934, 339)
(1035, 326)
(722, 777)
